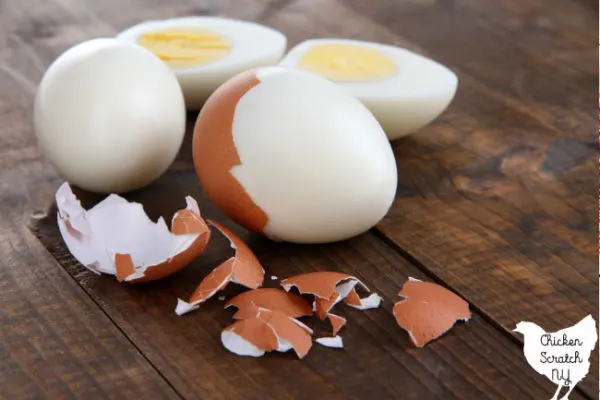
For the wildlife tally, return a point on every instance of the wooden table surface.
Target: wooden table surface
(496, 200)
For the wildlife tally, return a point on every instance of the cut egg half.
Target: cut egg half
(405, 91)
(205, 51)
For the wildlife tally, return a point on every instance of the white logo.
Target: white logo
(562, 356)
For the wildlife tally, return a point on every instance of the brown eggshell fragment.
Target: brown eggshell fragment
(247, 270)
(294, 333)
(117, 237)
(321, 284)
(272, 299)
(256, 337)
(249, 337)
(428, 310)
(354, 300)
(215, 154)
(243, 268)
(323, 306)
(186, 221)
(337, 323)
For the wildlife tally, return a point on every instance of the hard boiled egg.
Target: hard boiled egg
(404, 90)
(206, 51)
(291, 155)
(109, 116)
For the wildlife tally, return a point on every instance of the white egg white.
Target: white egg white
(403, 103)
(313, 158)
(253, 45)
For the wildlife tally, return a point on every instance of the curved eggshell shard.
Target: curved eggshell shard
(288, 329)
(253, 331)
(321, 284)
(332, 342)
(186, 221)
(247, 270)
(354, 300)
(322, 306)
(428, 311)
(117, 237)
(272, 299)
(243, 268)
(337, 323)
(215, 154)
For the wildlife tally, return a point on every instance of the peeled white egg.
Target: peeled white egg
(404, 90)
(109, 116)
(205, 51)
(290, 155)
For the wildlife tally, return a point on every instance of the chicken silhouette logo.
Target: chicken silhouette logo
(562, 356)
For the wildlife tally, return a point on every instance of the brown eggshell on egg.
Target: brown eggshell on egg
(215, 154)
(428, 310)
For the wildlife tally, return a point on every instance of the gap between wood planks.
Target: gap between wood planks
(33, 230)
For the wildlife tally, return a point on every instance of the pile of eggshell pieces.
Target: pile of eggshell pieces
(270, 124)
(116, 237)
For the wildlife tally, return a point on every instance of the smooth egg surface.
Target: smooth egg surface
(205, 51)
(405, 91)
(289, 154)
(109, 116)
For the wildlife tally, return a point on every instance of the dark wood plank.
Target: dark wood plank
(474, 360)
(498, 198)
(55, 342)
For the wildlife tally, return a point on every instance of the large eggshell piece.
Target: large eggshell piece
(109, 116)
(289, 154)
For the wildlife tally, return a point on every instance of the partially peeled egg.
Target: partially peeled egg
(404, 90)
(291, 155)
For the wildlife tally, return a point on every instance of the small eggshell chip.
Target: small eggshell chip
(337, 323)
(116, 237)
(266, 330)
(272, 299)
(322, 284)
(329, 288)
(249, 337)
(109, 116)
(428, 310)
(353, 300)
(243, 268)
(282, 151)
(332, 342)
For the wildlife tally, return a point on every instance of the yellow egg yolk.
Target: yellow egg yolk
(347, 62)
(186, 47)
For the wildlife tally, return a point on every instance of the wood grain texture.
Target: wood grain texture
(473, 360)
(494, 200)
(499, 197)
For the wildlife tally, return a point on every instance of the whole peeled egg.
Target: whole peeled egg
(288, 154)
(109, 116)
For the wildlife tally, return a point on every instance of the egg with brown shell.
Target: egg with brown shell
(288, 154)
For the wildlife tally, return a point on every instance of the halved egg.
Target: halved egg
(404, 90)
(205, 51)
